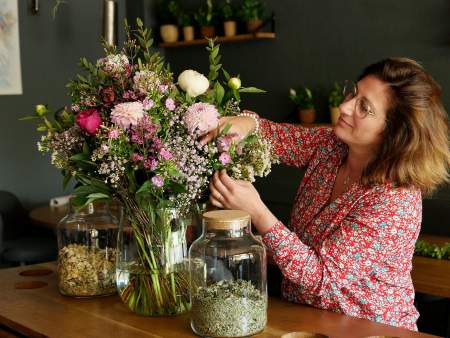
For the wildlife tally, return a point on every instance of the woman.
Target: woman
(357, 212)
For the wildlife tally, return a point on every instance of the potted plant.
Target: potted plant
(229, 22)
(186, 19)
(252, 13)
(168, 13)
(204, 18)
(304, 100)
(335, 98)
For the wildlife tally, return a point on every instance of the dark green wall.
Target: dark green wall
(50, 50)
(319, 42)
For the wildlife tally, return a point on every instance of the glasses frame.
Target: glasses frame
(353, 92)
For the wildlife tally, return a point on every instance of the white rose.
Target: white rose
(193, 82)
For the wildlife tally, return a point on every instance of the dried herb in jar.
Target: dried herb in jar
(86, 271)
(229, 309)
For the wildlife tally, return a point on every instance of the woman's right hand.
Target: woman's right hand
(241, 126)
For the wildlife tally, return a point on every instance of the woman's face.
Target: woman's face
(363, 117)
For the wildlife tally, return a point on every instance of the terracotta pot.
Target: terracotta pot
(169, 33)
(229, 28)
(254, 25)
(188, 33)
(208, 31)
(334, 114)
(307, 115)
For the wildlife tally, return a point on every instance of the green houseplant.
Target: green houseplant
(204, 18)
(252, 12)
(186, 22)
(227, 14)
(304, 101)
(168, 11)
(335, 98)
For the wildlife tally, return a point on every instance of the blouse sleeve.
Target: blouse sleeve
(376, 240)
(295, 145)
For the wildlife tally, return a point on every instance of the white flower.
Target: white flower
(292, 92)
(193, 82)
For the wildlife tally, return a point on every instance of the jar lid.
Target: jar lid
(226, 219)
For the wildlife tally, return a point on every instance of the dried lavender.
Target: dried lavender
(229, 309)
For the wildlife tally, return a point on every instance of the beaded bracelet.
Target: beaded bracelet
(256, 130)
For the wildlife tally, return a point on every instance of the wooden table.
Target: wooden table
(48, 216)
(43, 312)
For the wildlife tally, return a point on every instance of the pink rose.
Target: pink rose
(224, 158)
(89, 120)
(157, 181)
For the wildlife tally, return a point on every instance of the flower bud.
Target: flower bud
(41, 109)
(234, 83)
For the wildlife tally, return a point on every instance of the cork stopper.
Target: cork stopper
(226, 219)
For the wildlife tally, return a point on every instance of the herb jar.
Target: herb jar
(228, 277)
(87, 241)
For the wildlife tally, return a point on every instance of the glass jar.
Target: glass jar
(87, 241)
(228, 277)
(152, 265)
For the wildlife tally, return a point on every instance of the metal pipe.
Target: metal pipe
(110, 22)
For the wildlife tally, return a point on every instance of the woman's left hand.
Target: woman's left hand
(227, 193)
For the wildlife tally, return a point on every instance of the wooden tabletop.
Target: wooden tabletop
(43, 312)
(48, 216)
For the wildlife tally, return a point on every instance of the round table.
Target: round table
(48, 216)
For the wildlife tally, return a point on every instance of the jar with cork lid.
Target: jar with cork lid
(87, 245)
(228, 277)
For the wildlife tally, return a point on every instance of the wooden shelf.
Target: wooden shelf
(221, 39)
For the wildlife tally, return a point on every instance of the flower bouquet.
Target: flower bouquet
(131, 133)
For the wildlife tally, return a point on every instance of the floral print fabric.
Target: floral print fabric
(353, 255)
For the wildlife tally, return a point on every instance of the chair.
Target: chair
(17, 243)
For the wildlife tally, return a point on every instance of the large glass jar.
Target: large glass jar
(87, 241)
(228, 277)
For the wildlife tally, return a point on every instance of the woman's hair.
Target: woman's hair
(416, 146)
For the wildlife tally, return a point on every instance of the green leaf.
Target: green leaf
(26, 118)
(251, 90)
(66, 180)
(226, 75)
(220, 92)
(98, 195)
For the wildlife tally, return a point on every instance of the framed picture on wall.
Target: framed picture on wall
(10, 71)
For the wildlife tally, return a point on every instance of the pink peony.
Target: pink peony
(170, 104)
(201, 118)
(224, 158)
(127, 114)
(89, 120)
(158, 181)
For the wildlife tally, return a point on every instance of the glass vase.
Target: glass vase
(152, 267)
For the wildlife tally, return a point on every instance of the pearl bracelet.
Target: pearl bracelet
(256, 130)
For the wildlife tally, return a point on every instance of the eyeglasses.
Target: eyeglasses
(362, 106)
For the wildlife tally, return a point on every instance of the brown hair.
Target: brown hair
(416, 147)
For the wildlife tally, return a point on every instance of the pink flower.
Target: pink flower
(113, 134)
(150, 164)
(158, 181)
(148, 103)
(127, 114)
(137, 157)
(89, 120)
(170, 104)
(75, 107)
(165, 154)
(239, 149)
(224, 142)
(163, 88)
(201, 118)
(224, 158)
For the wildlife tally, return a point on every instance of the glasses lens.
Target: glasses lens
(349, 91)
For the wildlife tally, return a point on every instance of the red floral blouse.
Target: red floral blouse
(353, 255)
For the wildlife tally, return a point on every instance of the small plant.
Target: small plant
(186, 18)
(227, 11)
(303, 98)
(336, 96)
(205, 14)
(168, 12)
(252, 10)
